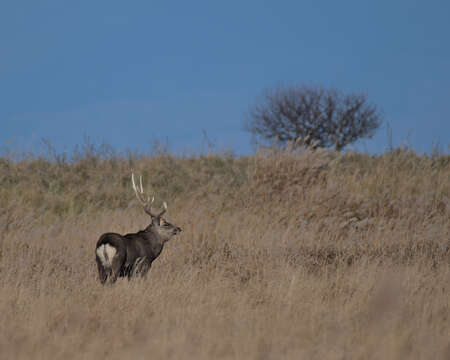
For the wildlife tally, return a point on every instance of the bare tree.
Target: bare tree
(320, 117)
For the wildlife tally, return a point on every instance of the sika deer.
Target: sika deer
(132, 254)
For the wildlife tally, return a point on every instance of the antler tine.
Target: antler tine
(140, 180)
(148, 202)
(133, 184)
(163, 210)
(139, 191)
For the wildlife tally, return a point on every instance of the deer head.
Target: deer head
(165, 229)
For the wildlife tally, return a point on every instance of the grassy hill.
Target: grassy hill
(284, 255)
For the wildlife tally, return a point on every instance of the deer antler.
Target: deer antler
(163, 210)
(146, 204)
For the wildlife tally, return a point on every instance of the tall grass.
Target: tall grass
(284, 254)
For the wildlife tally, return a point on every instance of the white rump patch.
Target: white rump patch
(106, 254)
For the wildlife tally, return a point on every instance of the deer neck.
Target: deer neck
(155, 240)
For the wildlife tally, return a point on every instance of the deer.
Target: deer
(131, 255)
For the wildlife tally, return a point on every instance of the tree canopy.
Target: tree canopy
(320, 117)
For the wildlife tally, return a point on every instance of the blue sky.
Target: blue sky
(127, 73)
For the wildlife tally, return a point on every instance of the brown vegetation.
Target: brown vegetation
(284, 255)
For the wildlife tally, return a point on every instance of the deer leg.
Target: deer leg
(141, 267)
(116, 265)
(102, 274)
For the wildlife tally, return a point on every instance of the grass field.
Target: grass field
(284, 255)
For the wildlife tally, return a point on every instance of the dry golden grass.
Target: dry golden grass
(284, 255)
